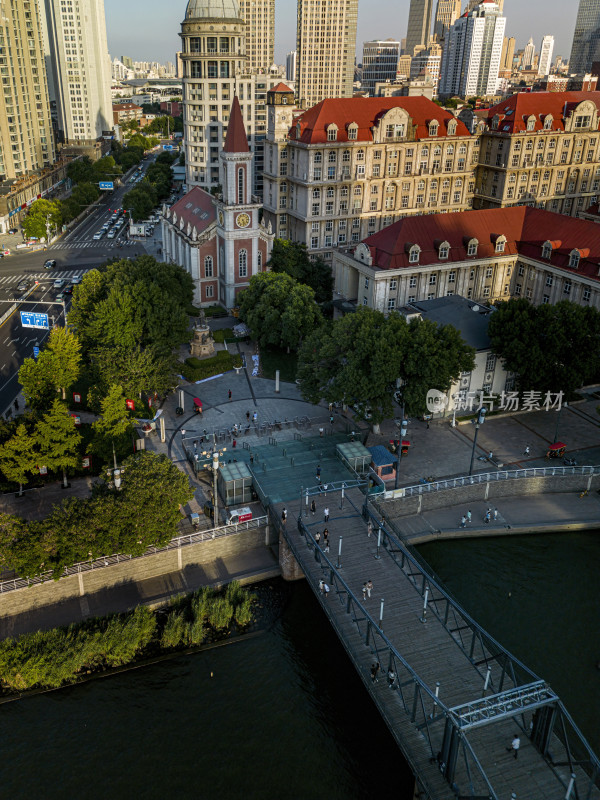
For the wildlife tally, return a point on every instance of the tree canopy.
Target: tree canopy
(58, 440)
(359, 357)
(19, 457)
(551, 348)
(43, 219)
(278, 310)
(293, 259)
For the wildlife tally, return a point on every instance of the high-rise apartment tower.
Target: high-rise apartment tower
(508, 53)
(260, 33)
(291, 61)
(79, 68)
(326, 46)
(26, 140)
(586, 38)
(545, 60)
(380, 62)
(419, 24)
(528, 55)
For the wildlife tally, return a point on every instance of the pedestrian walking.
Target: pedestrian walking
(313, 506)
(469, 515)
(234, 443)
(321, 431)
(463, 522)
(495, 513)
(326, 590)
(326, 545)
(374, 671)
(364, 591)
(317, 537)
(326, 534)
(321, 586)
(331, 419)
(247, 416)
(486, 519)
(229, 394)
(369, 529)
(526, 453)
(195, 445)
(490, 455)
(325, 487)
(284, 516)
(318, 473)
(369, 588)
(514, 745)
(330, 407)
(196, 457)
(391, 676)
(255, 416)
(182, 432)
(326, 514)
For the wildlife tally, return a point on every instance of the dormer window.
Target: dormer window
(452, 127)
(548, 122)
(547, 250)
(582, 122)
(352, 131)
(444, 251)
(495, 121)
(472, 247)
(500, 244)
(332, 133)
(413, 254)
(574, 259)
(433, 127)
(531, 123)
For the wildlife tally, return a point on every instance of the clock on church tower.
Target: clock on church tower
(242, 220)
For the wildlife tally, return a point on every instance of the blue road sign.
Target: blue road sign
(167, 147)
(106, 186)
(36, 351)
(31, 319)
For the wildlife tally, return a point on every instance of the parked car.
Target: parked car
(50, 264)
(59, 283)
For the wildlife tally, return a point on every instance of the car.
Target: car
(14, 230)
(23, 286)
(98, 235)
(76, 279)
(49, 264)
(111, 235)
(59, 283)
(68, 290)
(60, 297)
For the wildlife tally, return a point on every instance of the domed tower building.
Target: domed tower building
(216, 66)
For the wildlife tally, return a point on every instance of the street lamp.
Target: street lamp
(402, 435)
(480, 421)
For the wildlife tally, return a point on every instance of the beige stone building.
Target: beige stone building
(346, 168)
(326, 47)
(259, 16)
(26, 138)
(540, 149)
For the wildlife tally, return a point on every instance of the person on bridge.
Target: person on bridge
(313, 506)
(463, 522)
(369, 588)
(374, 671)
(391, 676)
(469, 515)
(364, 591)
(514, 745)
(326, 514)
(526, 453)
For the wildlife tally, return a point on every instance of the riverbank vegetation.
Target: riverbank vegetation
(62, 656)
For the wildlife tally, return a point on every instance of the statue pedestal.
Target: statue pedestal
(202, 345)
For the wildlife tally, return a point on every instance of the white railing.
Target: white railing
(487, 477)
(118, 558)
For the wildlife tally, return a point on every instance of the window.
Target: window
(208, 267)
(243, 263)
(391, 303)
(330, 173)
(393, 284)
(259, 260)
(352, 131)
(346, 155)
(521, 270)
(549, 280)
(518, 288)
(360, 155)
(486, 291)
(574, 259)
(444, 251)
(318, 158)
(413, 257)
(241, 187)
(394, 131)
(586, 295)
(209, 291)
(500, 245)
(432, 280)
(412, 282)
(366, 283)
(489, 272)
(567, 287)
(452, 277)
(472, 247)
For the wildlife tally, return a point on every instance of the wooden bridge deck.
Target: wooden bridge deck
(432, 652)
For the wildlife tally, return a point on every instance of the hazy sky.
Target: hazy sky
(147, 30)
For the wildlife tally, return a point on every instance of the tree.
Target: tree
(58, 440)
(43, 219)
(137, 370)
(113, 424)
(37, 379)
(551, 348)
(19, 457)
(106, 166)
(278, 310)
(65, 349)
(140, 202)
(81, 170)
(293, 259)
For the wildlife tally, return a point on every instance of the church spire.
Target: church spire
(236, 140)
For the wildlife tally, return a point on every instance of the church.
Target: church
(221, 241)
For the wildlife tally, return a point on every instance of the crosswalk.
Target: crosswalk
(47, 275)
(84, 244)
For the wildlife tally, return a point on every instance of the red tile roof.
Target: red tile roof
(281, 87)
(197, 208)
(366, 112)
(514, 112)
(526, 229)
(236, 140)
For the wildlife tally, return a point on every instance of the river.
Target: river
(284, 715)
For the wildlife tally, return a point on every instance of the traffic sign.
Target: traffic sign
(167, 147)
(36, 351)
(106, 186)
(31, 319)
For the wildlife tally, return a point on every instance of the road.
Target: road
(75, 253)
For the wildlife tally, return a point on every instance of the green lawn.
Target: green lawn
(224, 333)
(273, 359)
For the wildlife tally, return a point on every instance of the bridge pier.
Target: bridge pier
(290, 569)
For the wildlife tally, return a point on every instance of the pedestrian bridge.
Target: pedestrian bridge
(458, 697)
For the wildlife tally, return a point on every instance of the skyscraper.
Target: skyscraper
(474, 3)
(586, 38)
(260, 33)
(26, 140)
(419, 24)
(380, 62)
(446, 13)
(471, 59)
(326, 45)
(545, 60)
(508, 53)
(291, 61)
(79, 68)
(528, 55)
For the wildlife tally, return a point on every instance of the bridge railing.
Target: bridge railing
(487, 477)
(118, 558)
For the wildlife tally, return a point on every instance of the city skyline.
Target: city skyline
(138, 29)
